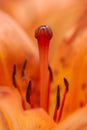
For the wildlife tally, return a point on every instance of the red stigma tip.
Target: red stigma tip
(44, 30)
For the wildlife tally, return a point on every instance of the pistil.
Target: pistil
(43, 34)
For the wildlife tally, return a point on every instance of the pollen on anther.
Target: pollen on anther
(58, 97)
(50, 72)
(66, 83)
(13, 75)
(57, 103)
(28, 92)
(23, 69)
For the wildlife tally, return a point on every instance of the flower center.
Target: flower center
(43, 34)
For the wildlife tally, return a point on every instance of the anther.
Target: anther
(17, 86)
(23, 69)
(57, 103)
(28, 92)
(58, 98)
(50, 73)
(64, 98)
(28, 95)
(50, 79)
(13, 75)
(66, 84)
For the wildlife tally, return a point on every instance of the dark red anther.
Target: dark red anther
(57, 103)
(13, 75)
(50, 73)
(24, 77)
(66, 84)
(58, 98)
(64, 98)
(49, 84)
(23, 69)
(28, 92)
(17, 86)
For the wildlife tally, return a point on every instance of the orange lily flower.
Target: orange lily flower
(16, 113)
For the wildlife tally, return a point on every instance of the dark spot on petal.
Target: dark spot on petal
(84, 85)
(81, 104)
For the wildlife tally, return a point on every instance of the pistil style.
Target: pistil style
(43, 34)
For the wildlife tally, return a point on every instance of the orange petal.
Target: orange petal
(76, 121)
(15, 118)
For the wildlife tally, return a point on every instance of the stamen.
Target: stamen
(57, 103)
(66, 84)
(49, 84)
(43, 34)
(13, 75)
(28, 93)
(23, 72)
(64, 98)
(17, 86)
(23, 69)
(50, 72)
(58, 97)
